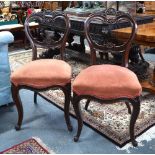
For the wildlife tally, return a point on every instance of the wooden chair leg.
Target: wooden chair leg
(35, 97)
(136, 109)
(18, 103)
(128, 106)
(67, 93)
(77, 110)
(87, 104)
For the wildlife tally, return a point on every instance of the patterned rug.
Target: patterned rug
(112, 120)
(30, 146)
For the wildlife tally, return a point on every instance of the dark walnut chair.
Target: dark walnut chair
(44, 74)
(108, 83)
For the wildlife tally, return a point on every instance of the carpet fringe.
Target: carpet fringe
(44, 145)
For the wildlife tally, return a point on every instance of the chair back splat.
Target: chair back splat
(106, 40)
(52, 31)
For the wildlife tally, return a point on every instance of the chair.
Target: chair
(5, 85)
(108, 83)
(40, 75)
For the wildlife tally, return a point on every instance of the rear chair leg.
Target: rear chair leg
(87, 104)
(128, 106)
(17, 100)
(35, 97)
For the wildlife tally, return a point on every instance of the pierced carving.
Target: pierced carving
(112, 12)
(105, 31)
(110, 15)
(48, 23)
(52, 29)
(107, 38)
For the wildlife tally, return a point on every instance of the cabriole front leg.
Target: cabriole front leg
(17, 100)
(67, 92)
(136, 109)
(76, 102)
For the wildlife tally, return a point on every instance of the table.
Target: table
(11, 27)
(152, 13)
(18, 28)
(77, 29)
(145, 36)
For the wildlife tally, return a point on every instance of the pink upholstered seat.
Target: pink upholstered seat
(107, 82)
(42, 73)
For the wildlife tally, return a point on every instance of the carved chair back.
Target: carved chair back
(106, 40)
(52, 30)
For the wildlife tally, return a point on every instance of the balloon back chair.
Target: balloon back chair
(108, 83)
(44, 74)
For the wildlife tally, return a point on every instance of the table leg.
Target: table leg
(82, 44)
(70, 40)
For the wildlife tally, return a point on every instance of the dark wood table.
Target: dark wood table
(77, 28)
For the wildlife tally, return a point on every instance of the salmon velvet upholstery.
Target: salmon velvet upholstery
(42, 73)
(107, 82)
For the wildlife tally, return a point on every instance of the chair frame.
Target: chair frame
(66, 88)
(135, 102)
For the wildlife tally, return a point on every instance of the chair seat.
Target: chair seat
(42, 73)
(107, 82)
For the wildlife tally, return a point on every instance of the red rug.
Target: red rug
(30, 146)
